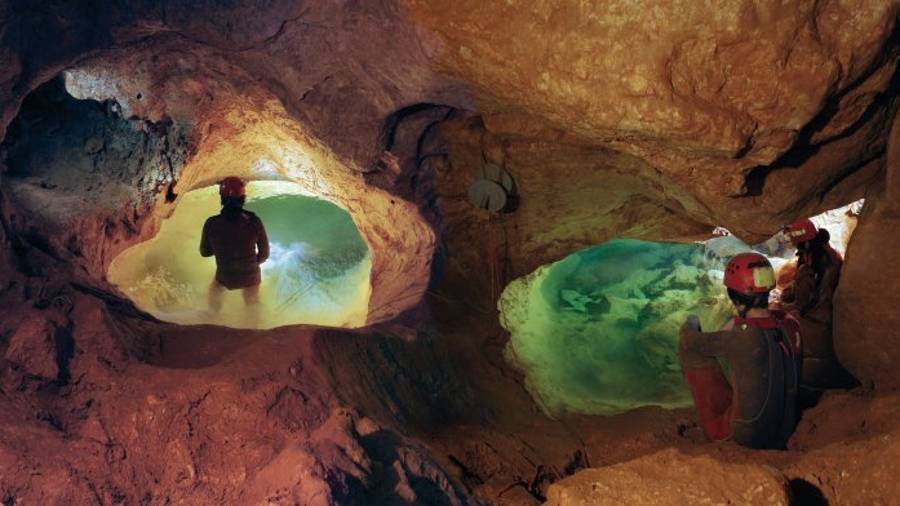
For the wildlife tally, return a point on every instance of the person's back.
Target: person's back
(758, 407)
(234, 238)
(237, 238)
(763, 378)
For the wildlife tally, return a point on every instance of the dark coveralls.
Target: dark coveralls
(758, 407)
(238, 240)
(809, 300)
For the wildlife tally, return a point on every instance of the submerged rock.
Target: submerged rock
(598, 331)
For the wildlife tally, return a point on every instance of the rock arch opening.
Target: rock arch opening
(100, 161)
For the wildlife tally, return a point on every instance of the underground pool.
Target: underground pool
(317, 272)
(597, 332)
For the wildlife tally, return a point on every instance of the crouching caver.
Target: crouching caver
(238, 240)
(809, 299)
(757, 405)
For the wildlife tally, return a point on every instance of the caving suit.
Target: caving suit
(758, 406)
(238, 240)
(810, 301)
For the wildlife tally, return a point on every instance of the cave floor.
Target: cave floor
(211, 414)
(512, 459)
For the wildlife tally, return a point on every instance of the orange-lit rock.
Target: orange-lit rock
(701, 93)
(653, 120)
(669, 477)
(866, 324)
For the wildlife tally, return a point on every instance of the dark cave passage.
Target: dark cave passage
(67, 157)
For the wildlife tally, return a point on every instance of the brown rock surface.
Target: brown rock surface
(616, 119)
(855, 473)
(212, 416)
(669, 477)
(703, 93)
(33, 346)
(781, 103)
(866, 320)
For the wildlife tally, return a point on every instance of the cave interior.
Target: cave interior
(487, 224)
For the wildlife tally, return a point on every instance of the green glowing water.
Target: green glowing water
(597, 332)
(319, 226)
(317, 272)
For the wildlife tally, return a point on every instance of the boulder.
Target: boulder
(866, 321)
(850, 472)
(671, 477)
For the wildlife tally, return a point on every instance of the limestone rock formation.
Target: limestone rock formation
(253, 419)
(867, 326)
(859, 466)
(617, 119)
(719, 98)
(670, 477)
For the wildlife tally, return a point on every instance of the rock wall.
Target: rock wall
(707, 115)
(616, 120)
(733, 102)
(82, 180)
(866, 322)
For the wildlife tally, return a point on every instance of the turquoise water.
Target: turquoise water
(597, 332)
(317, 272)
(318, 225)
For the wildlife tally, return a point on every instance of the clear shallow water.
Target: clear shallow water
(597, 332)
(317, 273)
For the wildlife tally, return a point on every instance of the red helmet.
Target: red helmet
(800, 232)
(750, 273)
(231, 187)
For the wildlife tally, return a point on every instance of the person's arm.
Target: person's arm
(805, 296)
(829, 282)
(206, 249)
(787, 295)
(707, 344)
(262, 242)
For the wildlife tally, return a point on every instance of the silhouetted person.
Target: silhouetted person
(238, 240)
(757, 405)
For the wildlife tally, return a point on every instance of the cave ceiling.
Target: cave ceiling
(681, 116)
